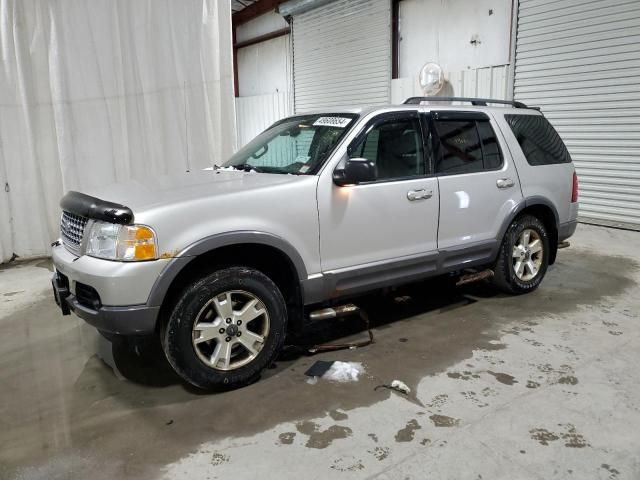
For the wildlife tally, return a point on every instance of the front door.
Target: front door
(385, 226)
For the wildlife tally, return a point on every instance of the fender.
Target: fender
(207, 244)
(524, 203)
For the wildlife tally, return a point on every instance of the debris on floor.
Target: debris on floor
(318, 369)
(396, 385)
(335, 371)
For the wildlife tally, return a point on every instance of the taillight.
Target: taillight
(574, 192)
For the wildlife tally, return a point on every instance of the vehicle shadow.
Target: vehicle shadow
(143, 362)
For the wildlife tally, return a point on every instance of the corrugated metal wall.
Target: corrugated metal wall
(342, 54)
(580, 61)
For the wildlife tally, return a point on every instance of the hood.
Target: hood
(140, 195)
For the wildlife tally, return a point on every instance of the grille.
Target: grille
(72, 230)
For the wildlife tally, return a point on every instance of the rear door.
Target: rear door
(478, 182)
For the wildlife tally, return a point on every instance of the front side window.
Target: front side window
(465, 146)
(538, 140)
(394, 146)
(297, 145)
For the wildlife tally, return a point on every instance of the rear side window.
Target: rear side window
(465, 146)
(538, 140)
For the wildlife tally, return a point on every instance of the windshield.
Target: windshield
(296, 145)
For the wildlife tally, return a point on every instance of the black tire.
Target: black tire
(505, 277)
(177, 335)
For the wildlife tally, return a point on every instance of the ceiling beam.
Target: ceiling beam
(254, 10)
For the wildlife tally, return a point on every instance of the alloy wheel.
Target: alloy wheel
(528, 253)
(230, 330)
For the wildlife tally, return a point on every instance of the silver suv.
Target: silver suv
(221, 264)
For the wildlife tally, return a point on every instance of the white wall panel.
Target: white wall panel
(342, 54)
(256, 113)
(580, 61)
(264, 67)
(93, 93)
(489, 82)
(441, 31)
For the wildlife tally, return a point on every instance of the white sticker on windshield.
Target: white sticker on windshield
(338, 122)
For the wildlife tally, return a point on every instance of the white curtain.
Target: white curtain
(100, 91)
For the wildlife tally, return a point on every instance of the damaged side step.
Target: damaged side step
(334, 312)
(474, 277)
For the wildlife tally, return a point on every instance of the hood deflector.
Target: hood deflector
(91, 207)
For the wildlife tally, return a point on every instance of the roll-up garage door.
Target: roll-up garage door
(579, 60)
(342, 54)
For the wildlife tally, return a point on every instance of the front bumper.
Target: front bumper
(122, 290)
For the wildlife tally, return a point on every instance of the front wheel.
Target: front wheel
(226, 328)
(523, 257)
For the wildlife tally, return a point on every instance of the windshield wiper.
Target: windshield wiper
(247, 167)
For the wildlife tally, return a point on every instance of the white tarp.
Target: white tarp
(100, 91)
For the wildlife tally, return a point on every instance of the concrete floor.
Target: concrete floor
(540, 386)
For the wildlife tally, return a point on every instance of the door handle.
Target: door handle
(422, 194)
(505, 183)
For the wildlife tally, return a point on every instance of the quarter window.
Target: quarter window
(395, 146)
(465, 146)
(538, 140)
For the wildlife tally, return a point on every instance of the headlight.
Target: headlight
(121, 242)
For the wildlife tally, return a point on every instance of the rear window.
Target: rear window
(539, 141)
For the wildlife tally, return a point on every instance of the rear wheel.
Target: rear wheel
(524, 256)
(226, 328)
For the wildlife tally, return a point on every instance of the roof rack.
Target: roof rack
(474, 101)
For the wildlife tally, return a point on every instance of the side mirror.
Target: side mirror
(356, 170)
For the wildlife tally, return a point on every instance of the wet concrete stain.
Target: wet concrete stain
(286, 438)
(380, 453)
(80, 394)
(347, 464)
(473, 397)
(425, 442)
(218, 458)
(488, 392)
(533, 342)
(568, 380)
(613, 473)
(615, 332)
(543, 436)
(407, 433)
(11, 294)
(532, 384)
(322, 438)
(503, 378)
(337, 415)
(572, 439)
(373, 437)
(438, 401)
(444, 421)
(462, 375)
